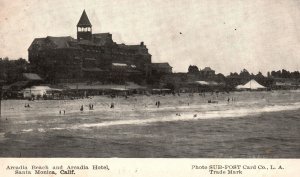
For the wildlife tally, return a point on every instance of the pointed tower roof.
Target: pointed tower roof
(84, 20)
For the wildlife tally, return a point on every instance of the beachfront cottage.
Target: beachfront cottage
(25, 80)
(35, 91)
(39, 92)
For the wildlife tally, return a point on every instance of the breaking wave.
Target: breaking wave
(232, 113)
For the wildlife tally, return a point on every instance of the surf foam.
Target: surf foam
(232, 113)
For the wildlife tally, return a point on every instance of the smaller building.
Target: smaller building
(37, 92)
(207, 72)
(161, 68)
(286, 84)
(32, 77)
(25, 80)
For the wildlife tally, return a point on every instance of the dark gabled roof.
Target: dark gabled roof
(60, 42)
(84, 21)
(37, 44)
(51, 42)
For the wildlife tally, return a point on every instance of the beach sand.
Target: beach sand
(255, 124)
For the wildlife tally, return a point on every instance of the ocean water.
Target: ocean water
(250, 125)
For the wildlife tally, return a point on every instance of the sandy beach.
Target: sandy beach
(240, 124)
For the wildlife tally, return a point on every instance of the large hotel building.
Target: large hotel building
(92, 56)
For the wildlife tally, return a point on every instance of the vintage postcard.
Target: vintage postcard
(149, 87)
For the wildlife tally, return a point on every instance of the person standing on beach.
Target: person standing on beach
(81, 108)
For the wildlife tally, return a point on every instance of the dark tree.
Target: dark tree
(259, 75)
(244, 73)
(285, 73)
(234, 74)
(11, 70)
(193, 69)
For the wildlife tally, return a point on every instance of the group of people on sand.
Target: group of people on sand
(27, 105)
(232, 99)
(91, 106)
(212, 101)
(228, 100)
(61, 111)
(112, 105)
(157, 104)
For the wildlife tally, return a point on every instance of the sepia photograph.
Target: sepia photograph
(150, 79)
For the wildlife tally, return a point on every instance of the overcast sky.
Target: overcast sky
(227, 35)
